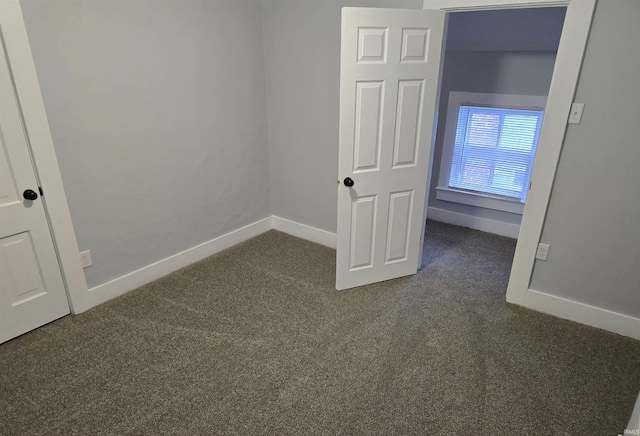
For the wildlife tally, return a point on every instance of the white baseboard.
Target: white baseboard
(304, 231)
(130, 281)
(472, 222)
(583, 313)
(154, 271)
(536, 300)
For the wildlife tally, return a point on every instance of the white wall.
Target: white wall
(593, 220)
(302, 52)
(158, 115)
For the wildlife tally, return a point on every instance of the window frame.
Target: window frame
(478, 199)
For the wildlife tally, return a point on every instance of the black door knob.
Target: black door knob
(348, 182)
(29, 194)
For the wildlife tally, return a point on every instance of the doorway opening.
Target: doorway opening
(498, 66)
(497, 71)
(388, 58)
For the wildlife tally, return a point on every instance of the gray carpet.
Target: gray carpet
(256, 340)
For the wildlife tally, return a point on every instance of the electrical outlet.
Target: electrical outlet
(543, 251)
(85, 257)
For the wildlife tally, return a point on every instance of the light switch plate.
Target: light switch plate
(576, 113)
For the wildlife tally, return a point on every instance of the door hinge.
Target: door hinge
(41, 191)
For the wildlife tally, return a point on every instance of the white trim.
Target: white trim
(130, 281)
(154, 271)
(573, 42)
(583, 313)
(479, 199)
(568, 64)
(47, 171)
(484, 224)
(303, 231)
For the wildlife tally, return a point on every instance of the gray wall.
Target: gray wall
(302, 51)
(593, 220)
(527, 73)
(535, 29)
(158, 115)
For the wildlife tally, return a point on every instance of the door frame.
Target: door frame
(573, 42)
(14, 36)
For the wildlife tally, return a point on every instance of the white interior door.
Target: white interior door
(389, 83)
(32, 292)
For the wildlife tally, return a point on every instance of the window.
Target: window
(489, 147)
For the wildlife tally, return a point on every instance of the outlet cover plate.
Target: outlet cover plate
(85, 258)
(543, 251)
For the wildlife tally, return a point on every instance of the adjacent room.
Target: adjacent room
(497, 72)
(168, 225)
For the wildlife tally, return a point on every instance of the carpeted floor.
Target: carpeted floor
(256, 340)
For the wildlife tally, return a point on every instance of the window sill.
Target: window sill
(486, 201)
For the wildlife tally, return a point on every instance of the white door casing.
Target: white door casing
(32, 291)
(389, 84)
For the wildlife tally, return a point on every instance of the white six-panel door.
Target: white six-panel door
(31, 289)
(389, 81)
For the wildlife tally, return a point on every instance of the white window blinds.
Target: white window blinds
(494, 150)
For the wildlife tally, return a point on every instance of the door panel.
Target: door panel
(32, 292)
(363, 232)
(20, 268)
(400, 206)
(415, 45)
(372, 45)
(389, 81)
(368, 117)
(408, 123)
